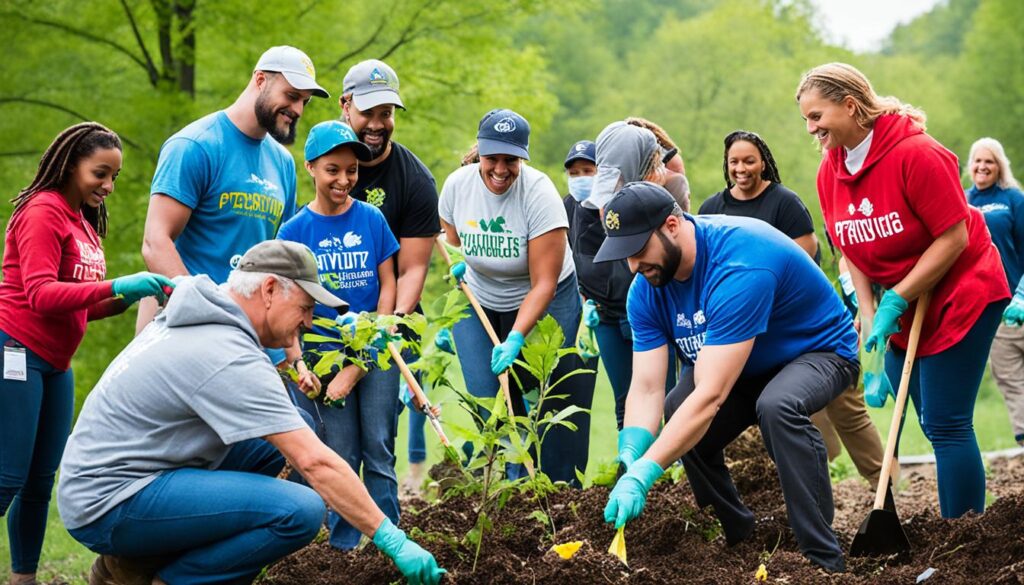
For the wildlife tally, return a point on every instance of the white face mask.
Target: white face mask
(580, 187)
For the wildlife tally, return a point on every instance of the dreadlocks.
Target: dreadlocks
(60, 159)
(770, 172)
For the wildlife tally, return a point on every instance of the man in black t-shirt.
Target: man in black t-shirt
(403, 189)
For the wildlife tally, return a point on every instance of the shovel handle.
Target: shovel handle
(502, 377)
(901, 398)
(414, 386)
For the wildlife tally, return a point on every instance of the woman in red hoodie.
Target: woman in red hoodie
(892, 201)
(53, 282)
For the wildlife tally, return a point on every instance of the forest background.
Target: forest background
(700, 68)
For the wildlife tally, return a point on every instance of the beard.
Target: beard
(266, 116)
(376, 151)
(664, 271)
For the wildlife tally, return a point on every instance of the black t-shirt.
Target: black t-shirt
(404, 190)
(776, 205)
(605, 282)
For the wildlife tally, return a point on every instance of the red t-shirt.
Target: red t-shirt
(53, 270)
(884, 217)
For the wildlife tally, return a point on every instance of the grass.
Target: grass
(64, 559)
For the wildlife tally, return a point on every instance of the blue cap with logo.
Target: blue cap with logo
(582, 150)
(504, 132)
(326, 136)
(631, 217)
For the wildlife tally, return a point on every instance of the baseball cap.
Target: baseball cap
(624, 154)
(296, 67)
(290, 260)
(326, 136)
(371, 84)
(582, 150)
(504, 132)
(631, 217)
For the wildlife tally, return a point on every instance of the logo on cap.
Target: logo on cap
(376, 77)
(611, 220)
(581, 147)
(505, 125)
(309, 67)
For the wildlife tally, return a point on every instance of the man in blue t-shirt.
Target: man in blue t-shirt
(768, 341)
(222, 184)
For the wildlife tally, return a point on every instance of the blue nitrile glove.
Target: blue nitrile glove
(443, 341)
(458, 272)
(846, 282)
(887, 320)
(633, 443)
(1013, 315)
(134, 287)
(629, 495)
(876, 384)
(416, 564)
(590, 317)
(347, 321)
(505, 353)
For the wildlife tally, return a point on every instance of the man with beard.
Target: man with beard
(769, 343)
(403, 189)
(221, 184)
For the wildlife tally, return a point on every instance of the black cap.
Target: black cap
(631, 217)
(582, 150)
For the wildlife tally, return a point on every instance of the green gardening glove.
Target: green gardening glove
(629, 495)
(136, 286)
(417, 565)
(887, 320)
(633, 443)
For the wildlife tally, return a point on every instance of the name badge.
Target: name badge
(15, 366)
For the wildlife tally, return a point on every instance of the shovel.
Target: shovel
(503, 377)
(881, 532)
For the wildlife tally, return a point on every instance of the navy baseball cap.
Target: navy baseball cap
(326, 136)
(582, 150)
(631, 217)
(504, 132)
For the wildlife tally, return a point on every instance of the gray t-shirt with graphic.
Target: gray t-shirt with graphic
(495, 229)
(193, 383)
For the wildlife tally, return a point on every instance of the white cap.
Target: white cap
(296, 67)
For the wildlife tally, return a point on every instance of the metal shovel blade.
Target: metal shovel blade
(880, 534)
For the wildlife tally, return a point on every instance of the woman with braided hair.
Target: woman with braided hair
(53, 284)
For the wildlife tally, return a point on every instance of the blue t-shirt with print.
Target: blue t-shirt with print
(1004, 216)
(240, 191)
(348, 249)
(749, 280)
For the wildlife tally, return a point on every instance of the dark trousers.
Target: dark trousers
(780, 403)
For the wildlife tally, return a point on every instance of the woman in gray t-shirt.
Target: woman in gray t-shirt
(511, 224)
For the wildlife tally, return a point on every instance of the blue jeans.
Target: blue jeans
(943, 389)
(615, 339)
(35, 421)
(564, 451)
(363, 433)
(214, 526)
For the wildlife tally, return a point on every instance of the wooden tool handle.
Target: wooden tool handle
(421, 397)
(901, 398)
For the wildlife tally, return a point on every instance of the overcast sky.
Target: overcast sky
(862, 25)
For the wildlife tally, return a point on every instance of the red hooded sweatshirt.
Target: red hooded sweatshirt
(53, 270)
(886, 215)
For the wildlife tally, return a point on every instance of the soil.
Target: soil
(674, 542)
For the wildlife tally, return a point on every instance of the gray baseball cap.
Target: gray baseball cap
(290, 260)
(371, 84)
(296, 67)
(624, 155)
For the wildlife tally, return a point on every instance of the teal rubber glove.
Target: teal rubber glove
(629, 495)
(458, 272)
(383, 338)
(417, 565)
(443, 341)
(876, 384)
(505, 353)
(887, 320)
(846, 282)
(1013, 316)
(590, 317)
(136, 286)
(633, 443)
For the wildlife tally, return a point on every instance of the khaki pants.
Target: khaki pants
(846, 419)
(1007, 358)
